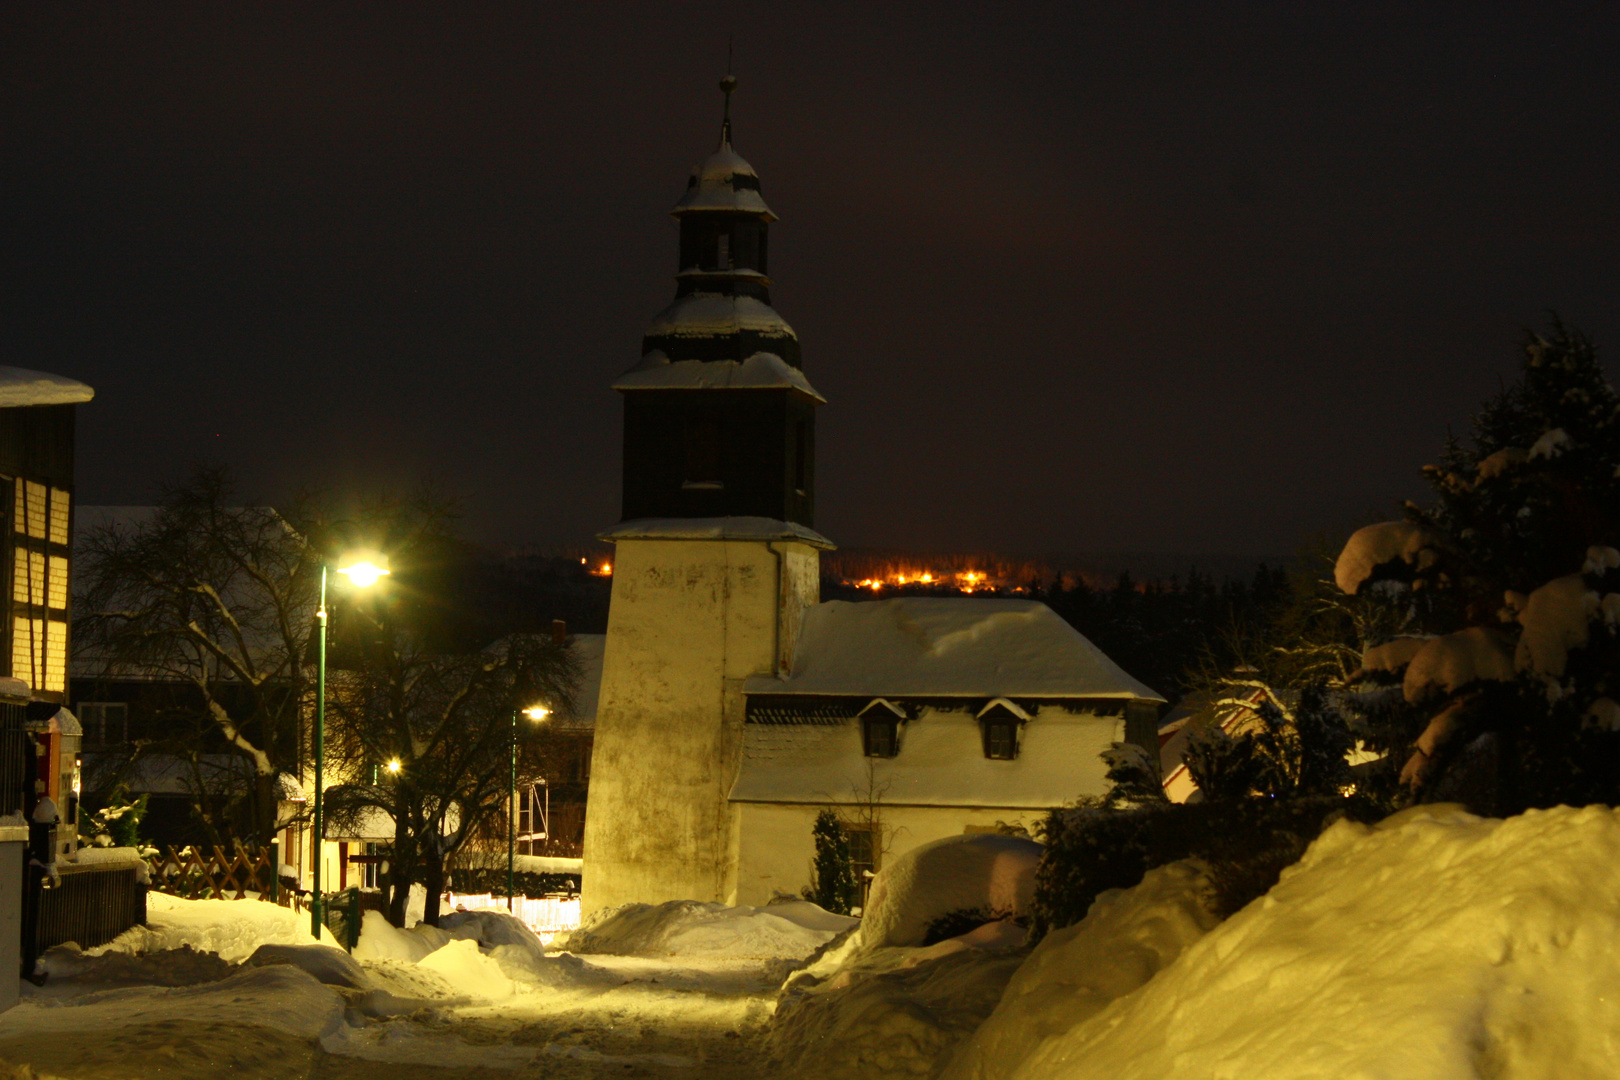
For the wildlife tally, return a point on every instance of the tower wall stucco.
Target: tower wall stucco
(690, 621)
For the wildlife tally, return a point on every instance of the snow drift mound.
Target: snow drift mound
(1432, 946)
(693, 928)
(230, 928)
(987, 873)
(1126, 938)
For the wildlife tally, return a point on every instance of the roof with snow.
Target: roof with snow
(19, 386)
(761, 371)
(716, 528)
(932, 646)
(724, 181)
(587, 650)
(940, 762)
(708, 314)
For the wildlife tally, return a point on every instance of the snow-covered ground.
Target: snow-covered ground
(1434, 945)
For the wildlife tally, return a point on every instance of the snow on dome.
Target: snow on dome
(1449, 663)
(716, 314)
(1373, 546)
(19, 386)
(946, 646)
(1555, 621)
(761, 371)
(714, 186)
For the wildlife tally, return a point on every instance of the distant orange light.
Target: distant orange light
(926, 578)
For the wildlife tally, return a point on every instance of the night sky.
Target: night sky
(1073, 277)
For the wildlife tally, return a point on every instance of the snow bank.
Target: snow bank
(1373, 546)
(891, 1012)
(693, 928)
(1433, 946)
(230, 928)
(986, 872)
(1127, 937)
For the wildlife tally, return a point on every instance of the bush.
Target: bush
(1246, 844)
(963, 921)
(835, 887)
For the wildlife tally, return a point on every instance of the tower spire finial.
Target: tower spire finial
(728, 86)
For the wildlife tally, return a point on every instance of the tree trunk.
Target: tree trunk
(433, 882)
(400, 869)
(266, 799)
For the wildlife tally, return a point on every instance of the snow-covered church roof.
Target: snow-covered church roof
(19, 386)
(724, 182)
(947, 647)
(761, 371)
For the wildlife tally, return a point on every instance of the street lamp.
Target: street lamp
(362, 570)
(535, 713)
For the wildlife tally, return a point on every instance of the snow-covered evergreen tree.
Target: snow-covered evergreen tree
(1509, 591)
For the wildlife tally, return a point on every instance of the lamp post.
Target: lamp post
(361, 571)
(535, 713)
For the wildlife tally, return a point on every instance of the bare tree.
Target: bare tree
(216, 600)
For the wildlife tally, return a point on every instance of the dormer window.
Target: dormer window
(880, 729)
(999, 725)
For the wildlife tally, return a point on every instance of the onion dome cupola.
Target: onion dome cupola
(719, 418)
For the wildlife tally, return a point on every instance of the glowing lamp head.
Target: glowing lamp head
(364, 569)
(393, 765)
(537, 712)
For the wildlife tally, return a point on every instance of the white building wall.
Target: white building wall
(778, 850)
(690, 621)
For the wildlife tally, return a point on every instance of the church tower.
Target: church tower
(716, 557)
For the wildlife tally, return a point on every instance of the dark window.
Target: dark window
(702, 453)
(801, 456)
(105, 723)
(881, 735)
(1000, 739)
(722, 252)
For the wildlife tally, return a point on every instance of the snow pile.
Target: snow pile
(986, 872)
(1373, 546)
(882, 1004)
(693, 928)
(477, 954)
(111, 857)
(1449, 663)
(891, 1011)
(1127, 937)
(1433, 946)
(231, 928)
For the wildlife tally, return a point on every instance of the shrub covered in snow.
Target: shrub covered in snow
(949, 878)
(1244, 846)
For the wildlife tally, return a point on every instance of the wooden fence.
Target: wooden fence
(220, 875)
(89, 905)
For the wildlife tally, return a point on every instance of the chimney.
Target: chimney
(559, 632)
